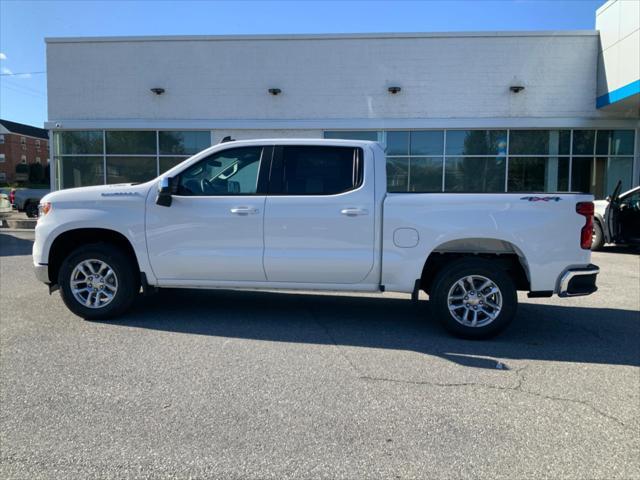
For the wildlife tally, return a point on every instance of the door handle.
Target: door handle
(354, 212)
(244, 210)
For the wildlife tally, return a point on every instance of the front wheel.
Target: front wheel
(474, 298)
(98, 282)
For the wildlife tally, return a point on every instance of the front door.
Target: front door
(213, 230)
(319, 217)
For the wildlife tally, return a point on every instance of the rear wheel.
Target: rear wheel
(98, 281)
(597, 241)
(474, 298)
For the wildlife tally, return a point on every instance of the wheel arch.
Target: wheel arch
(69, 240)
(509, 256)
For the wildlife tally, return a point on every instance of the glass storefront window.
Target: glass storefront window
(615, 142)
(82, 142)
(397, 174)
(79, 171)
(581, 168)
(183, 142)
(397, 143)
(425, 174)
(539, 142)
(474, 174)
(476, 142)
(584, 142)
(427, 142)
(352, 135)
(169, 162)
(538, 174)
(130, 169)
(131, 142)
(618, 169)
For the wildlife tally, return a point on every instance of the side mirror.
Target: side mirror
(608, 198)
(165, 191)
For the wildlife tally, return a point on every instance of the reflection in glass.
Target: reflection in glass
(183, 142)
(618, 169)
(353, 135)
(538, 174)
(539, 142)
(169, 162)
(615, 142)
(581, 168)
(476, 142)
(583, 142)
(427, 142)
(79, 171)
(474, 174)
(397, 143)
(425, 174)
(130, 169)
(131, 143)
(78, 142)
(397, 174)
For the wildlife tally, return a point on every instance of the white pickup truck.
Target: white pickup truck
(312, 215)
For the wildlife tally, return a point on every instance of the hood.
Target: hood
(99, 193)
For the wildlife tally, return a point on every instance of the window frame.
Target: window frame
(264, 167)
(276, 172)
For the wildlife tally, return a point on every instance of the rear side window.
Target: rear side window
(315, 170)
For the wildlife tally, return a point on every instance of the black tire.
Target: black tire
(128, 279)
(446, 280)
(31, 209)
(598, 237)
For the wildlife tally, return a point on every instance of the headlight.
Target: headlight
(44, 208)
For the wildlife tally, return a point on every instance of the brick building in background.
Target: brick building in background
(20, 143)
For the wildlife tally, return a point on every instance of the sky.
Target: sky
(25, 24)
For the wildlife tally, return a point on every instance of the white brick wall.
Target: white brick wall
(442, 76)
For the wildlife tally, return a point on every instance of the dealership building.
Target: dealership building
(456, 112)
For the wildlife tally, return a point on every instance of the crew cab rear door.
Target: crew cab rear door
(319, 215)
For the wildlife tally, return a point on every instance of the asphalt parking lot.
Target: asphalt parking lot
(228, 384)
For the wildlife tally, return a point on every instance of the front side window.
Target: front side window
(230, 172)
(313, 170)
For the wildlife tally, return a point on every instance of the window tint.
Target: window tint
(230, 172)
(319, 170)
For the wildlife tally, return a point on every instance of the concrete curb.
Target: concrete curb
(20, 223)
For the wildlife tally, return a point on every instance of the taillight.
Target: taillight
(12, 197)
(586, 234)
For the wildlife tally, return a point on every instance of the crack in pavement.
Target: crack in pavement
(518, 389)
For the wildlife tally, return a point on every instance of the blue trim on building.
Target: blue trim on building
(618, 94)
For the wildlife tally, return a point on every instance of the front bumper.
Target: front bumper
(42, 273)
(578, 281)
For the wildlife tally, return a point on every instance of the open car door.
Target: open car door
(611, 214)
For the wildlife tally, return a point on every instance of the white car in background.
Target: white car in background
(312, 215)
(617, 218)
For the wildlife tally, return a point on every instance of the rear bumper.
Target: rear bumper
(578, 281)
(42, 273)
